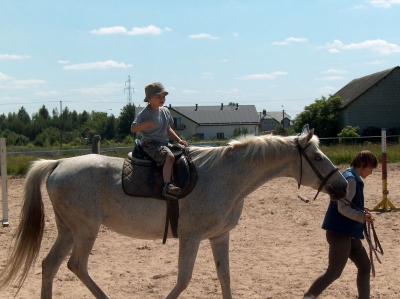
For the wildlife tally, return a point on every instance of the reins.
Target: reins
(324, 181)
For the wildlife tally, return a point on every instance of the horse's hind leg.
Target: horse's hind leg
(83, 243)
(53, 260)
(220, 249)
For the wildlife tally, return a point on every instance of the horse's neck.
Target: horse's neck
(240, 172)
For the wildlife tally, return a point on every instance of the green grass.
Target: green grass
(343, 154)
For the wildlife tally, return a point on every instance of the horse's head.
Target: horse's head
(316, 170)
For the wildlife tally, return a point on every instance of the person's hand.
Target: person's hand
(183, 142)
(368, 217)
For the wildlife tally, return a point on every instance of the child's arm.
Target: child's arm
(173, 136)
(135, 127)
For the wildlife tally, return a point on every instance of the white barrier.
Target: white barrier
(4, 181)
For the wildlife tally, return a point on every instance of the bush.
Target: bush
(348, 132)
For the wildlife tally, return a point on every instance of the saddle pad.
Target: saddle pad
(141, 180)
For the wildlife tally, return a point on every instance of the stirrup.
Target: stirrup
(166, 194)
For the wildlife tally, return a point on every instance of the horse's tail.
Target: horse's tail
(29, 233)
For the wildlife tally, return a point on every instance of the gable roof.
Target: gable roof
(277, 115)
(214, 115)
(360, 85)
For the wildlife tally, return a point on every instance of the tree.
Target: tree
(126, 117)
(322, 116)
(239, 131)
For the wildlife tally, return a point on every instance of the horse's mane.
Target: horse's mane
(266, 146)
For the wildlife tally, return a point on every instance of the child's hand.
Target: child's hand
(183, 142)
(368, 217)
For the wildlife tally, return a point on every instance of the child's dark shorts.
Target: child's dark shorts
(158, 151)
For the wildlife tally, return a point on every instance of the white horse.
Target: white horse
(86, 192)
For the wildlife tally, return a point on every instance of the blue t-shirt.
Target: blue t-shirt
(159, 132)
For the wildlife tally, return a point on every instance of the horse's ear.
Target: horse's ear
(306, 136)
(305, 130)
(310, 135)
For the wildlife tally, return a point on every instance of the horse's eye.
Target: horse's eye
(318, 157)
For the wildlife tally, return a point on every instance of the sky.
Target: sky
(98, 55)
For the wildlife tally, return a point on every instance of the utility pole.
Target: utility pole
(129, 88)
(283, 118)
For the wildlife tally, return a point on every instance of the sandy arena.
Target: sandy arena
(276, 251)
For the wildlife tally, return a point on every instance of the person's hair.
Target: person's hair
(364, 159)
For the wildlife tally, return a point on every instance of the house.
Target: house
(372, 101)
(271, 120)
(213, 122)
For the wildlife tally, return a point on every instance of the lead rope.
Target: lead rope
(373, 250)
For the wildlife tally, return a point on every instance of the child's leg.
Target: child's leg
(167, 169)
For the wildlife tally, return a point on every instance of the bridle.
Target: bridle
(324, 180)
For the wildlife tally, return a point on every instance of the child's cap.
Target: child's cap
(153, 89)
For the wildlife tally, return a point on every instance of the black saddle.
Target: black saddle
(139, 153)
(143, 177)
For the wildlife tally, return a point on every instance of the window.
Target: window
(220, 136)
(177, 120)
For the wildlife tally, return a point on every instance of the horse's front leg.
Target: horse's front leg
(188, 248)
(220, 249)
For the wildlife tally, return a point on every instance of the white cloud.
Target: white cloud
(333, 51)
(360, 6)
(290, 40)
(152, 30)
(326, 90)
(149, 30)
(224, 60)
(47, 93)
(207, 75)
(4, 77)
(334, 71)
(107, 88)
(63, 61)
(269, 76)
(109, 30)
(109, 64)
(378, 45)
(232, 91)
(22, 84)
(189, 91)
(203, 35)
(331, 78)
(384, 3)
(13, 56)
(375, 62)
(236, 34)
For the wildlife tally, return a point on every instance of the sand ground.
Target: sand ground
(276, 251)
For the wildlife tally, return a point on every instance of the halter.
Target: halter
(323, 180)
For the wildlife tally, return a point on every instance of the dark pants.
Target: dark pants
(342, 248)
